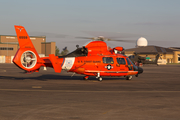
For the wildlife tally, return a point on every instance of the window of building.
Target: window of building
(6, 48)
(132, 56)
(178, 58)
(108, 60)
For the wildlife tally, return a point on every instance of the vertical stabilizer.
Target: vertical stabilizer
(23, 37)
(26, 57)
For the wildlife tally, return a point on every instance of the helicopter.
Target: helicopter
(138, 59)
(92, 59)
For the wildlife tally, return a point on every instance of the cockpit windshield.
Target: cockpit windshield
(78, 52)
(134, 66)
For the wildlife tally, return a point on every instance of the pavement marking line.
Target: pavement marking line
(106, 112)
(77, 91)
(3, 71)
(36, 87)
(92, 81)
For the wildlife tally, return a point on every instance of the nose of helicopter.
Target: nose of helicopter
(140, 70)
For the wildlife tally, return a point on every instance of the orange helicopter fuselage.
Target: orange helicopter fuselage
(93, 59)
(99, 59)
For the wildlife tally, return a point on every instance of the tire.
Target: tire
(128, 77)
(100, 79)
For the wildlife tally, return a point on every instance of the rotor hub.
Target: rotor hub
(28, 59)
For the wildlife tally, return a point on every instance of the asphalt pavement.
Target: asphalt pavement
(46, 95)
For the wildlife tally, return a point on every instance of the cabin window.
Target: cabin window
(129, 64)
(108, 60)
(121, 61)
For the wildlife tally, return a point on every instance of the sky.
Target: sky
(156, 20)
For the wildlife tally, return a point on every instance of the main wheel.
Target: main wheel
(128, 77)
(100, 79)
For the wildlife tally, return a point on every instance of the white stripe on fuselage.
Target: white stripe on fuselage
(68, 63)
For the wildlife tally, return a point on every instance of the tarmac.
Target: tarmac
(46, 95)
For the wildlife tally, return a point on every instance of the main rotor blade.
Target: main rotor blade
(84, 38)
(48, 35)
(111, 35)
(130, 41)
(76, 41)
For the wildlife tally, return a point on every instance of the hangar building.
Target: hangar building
(168, 54)
(9, 46)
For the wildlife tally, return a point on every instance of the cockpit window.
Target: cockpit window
(121, 61)
(78, 52)
(128, 61)
(129, 64)
(108, 60)
(134, 66)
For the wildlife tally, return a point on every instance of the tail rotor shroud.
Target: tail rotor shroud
(28, 59)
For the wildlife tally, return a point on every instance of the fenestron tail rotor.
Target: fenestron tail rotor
(28, 59)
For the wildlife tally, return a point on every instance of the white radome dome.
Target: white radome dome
(141, 42)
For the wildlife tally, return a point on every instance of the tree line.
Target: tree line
(64, 51)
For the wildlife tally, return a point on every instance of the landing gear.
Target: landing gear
(86, 77)
(100, 79)
(128, 77)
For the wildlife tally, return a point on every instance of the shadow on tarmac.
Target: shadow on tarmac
(47, 77)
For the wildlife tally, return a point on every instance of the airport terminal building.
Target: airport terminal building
(9, 46)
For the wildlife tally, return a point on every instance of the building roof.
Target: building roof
(175, 48)
(152, 50)
(43, 36)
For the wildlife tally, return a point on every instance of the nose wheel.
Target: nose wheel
(128, 77)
